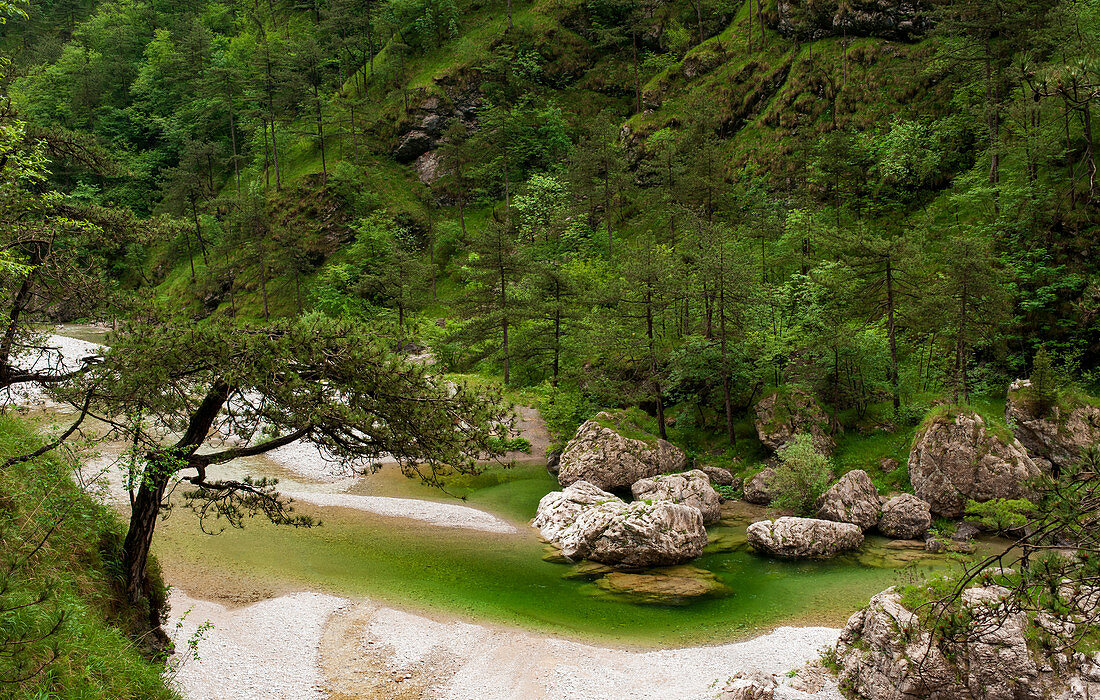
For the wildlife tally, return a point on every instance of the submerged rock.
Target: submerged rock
(1057, 436)
(852, 499)
(955, 458)
(601, 455)
(905, 517)
(783, 414)
(804, 538)
(675, 585)
(758, 489)
(690, 488)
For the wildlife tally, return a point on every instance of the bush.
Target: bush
(803, 474)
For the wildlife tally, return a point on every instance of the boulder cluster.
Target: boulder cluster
(664, 524)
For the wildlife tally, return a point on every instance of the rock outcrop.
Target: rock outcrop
(758, 489)
(690, 488)
(955, 457)
(817, 19)
(884, 654)
(587, 523)
(1061, 434)
(803, 538)
(783, 414)
(852, 499)
(602, 456)
(905, 517)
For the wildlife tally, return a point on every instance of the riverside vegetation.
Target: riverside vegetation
(837, 256)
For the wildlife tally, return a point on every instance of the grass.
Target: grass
(75, 576)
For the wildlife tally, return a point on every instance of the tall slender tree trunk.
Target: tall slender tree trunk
(637, 79)
(233, 136)
(894, 381)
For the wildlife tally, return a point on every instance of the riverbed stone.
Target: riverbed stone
(600, 454)
(759, 488)
(956, 458)
(750, 685)
(692, 488)
(852, 499)
(905, 517)
(804, 538)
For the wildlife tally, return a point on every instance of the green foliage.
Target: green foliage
(66, 630)
(1044, 384)
(802, 476)
(1001, 514)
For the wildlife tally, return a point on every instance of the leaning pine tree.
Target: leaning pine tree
(187, 397)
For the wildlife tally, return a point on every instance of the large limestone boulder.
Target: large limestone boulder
(804, 538)
(691, 488)
(602, 456)
(558, 510)
(884, 653)
(852, 499)
(955, 457)
(785, 413)
(636, 535)
(759, 488)
(720, 476)
(588, 523)
(1060, 434)
(905, 517)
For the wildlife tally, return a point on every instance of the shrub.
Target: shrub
(803, 474)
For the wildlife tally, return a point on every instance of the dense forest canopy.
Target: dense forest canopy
(652, 202)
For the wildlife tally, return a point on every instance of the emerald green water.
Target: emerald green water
(503, 578)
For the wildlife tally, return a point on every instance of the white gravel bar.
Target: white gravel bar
(462, 661)
(435, 513)
(266, 650)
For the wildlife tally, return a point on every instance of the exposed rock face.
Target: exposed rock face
(690, 488)
(412, 145)
(422, 131)
(956, 458)
(758, 489)
(603, 457)
(905, 517)
(558, 510)
(884, 654)
(783, 414)
(587, 523)
(750, 685)
(817, 19)
(636, 535)
(804, 538)
(718, 475)
(1057, 437)
(853, 499)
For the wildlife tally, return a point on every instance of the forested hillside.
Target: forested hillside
(654, 203)
(814, 236)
